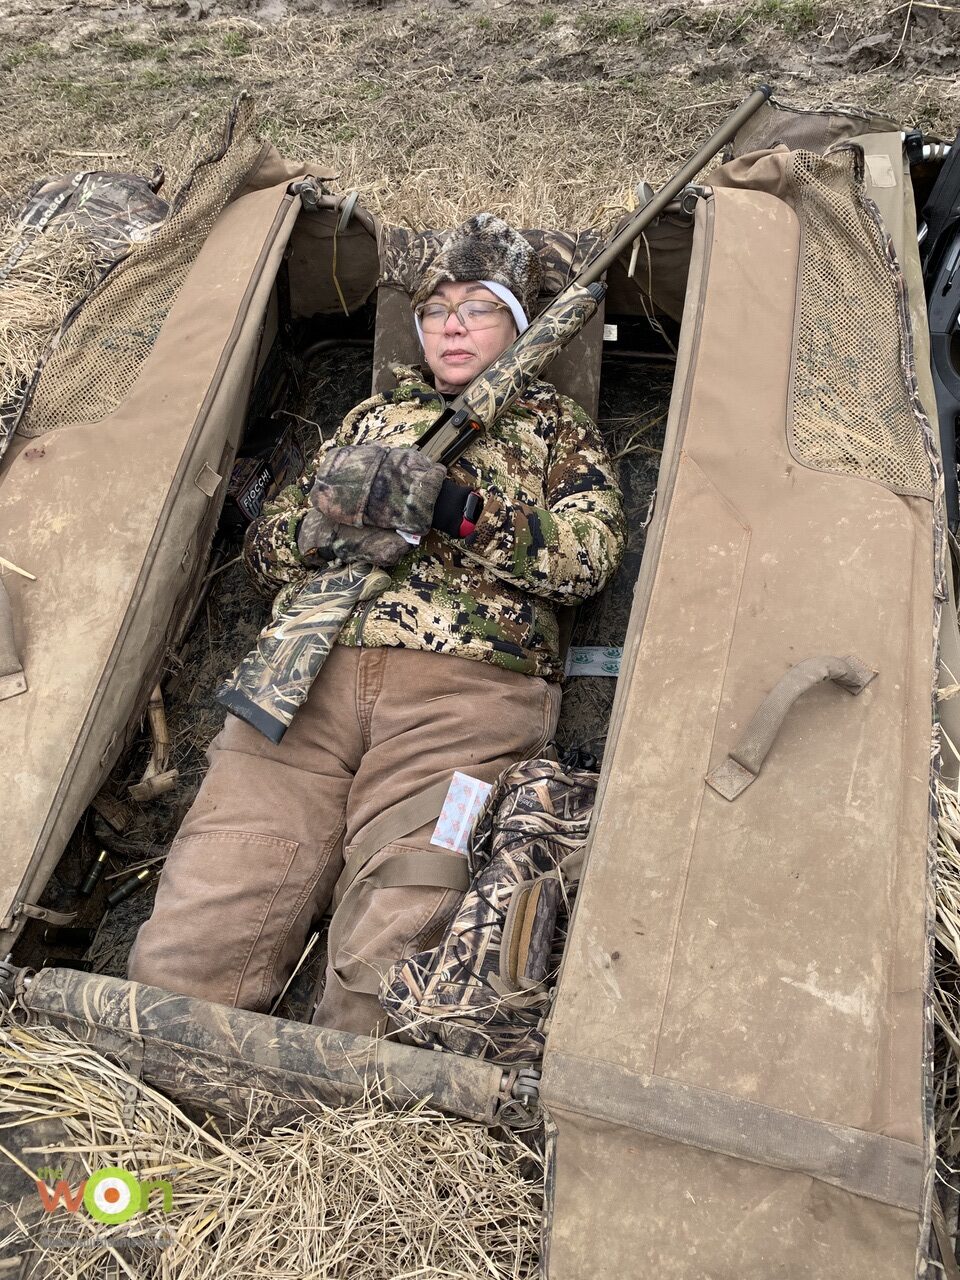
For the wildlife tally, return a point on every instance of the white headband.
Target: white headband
(503, 293)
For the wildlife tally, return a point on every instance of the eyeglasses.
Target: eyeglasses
(472, 315)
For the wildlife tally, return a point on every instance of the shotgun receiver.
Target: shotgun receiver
(275, 677)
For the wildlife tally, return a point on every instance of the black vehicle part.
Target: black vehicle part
(940, 259)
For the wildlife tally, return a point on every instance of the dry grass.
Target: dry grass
(44, 281)
(359, 1191)
(546, 115)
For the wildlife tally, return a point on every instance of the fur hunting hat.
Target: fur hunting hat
(486, 248)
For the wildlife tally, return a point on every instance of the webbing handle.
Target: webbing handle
(743, 764)
(518, 925)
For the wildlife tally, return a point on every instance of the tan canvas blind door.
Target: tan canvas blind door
(735, 1069)
(114, 514)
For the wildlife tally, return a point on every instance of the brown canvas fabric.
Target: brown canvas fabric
(114, 516)
(899, 216)
(777, 125)
(735, 1067)
(659, 270)
(333, 258)
(885, 173)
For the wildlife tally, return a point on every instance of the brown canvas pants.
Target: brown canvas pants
(256, 860)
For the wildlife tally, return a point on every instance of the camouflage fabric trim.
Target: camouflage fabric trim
(927, 434)
(247, 1066)
(113, 210)
(450, 997)
(552, 532)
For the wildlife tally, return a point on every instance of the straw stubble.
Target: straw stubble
(50, 274)
(353, 1191)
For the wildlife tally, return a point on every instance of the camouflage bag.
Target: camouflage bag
(485, 990)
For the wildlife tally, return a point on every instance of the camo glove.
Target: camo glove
(367, 484)
(319, 541)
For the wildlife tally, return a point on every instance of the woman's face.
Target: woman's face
(456, 354)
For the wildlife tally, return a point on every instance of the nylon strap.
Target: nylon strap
(421, 867)
(46, 914)
(404, 868)
(868, 1164)
(571, 868)
(393, 825)
(533, 999)
(743, 763)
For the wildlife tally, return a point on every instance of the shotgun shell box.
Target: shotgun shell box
(257, 478)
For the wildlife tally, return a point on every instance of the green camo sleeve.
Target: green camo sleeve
(566, 550)
(270, 544)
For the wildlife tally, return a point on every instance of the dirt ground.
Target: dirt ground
(541, 112)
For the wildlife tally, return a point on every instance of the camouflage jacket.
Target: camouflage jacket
(551, 532)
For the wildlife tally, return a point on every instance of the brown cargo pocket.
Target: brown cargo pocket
(215, 911)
